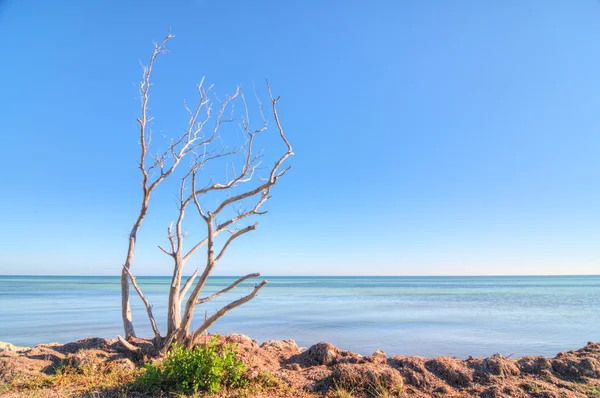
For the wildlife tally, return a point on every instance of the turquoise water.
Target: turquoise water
(457, 316)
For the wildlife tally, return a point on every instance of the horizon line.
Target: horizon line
(317, 275)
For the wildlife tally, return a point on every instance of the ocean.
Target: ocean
(427, 316)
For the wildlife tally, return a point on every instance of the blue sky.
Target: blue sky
(431, 137)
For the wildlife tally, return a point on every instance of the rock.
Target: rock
(88, 343)
(282, 349)
(280, 345)
(7, 346)
(492, 367)
(123, 364)
(379, 354)
(236, 338)
(88, 360)
(534, 365)
(374, 380)
(576, 368)
(590, 347)
(500, 366)
(49, 345)
(590, 367)
(4, 346)
(318, 354)
(412, 370)
(293, 366)
(452, 371)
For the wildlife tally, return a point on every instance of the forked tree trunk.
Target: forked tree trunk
(126, 307)
(174, 311)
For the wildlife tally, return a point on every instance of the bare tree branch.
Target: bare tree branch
(233, 285)
(222, 312)
(194, 249)
(275, 173)
(146, 303)
(243, 215)
(232, 238)
(170, 236)
(170, 254)
(195, 197)
(188, 284)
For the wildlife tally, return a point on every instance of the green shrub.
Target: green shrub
(150, 381)
(204, 368)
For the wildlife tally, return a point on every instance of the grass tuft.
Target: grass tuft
(102, 376)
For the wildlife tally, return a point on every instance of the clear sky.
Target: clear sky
(431, 137)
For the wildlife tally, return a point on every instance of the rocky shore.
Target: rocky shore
(324, 370)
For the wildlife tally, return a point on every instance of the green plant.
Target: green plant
(379, 388)
(340, 392)
(204, 368)
(531, 387)
(263, 384)
(150, 381)
(593, 392)
(267, 380)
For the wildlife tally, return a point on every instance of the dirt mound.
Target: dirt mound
(367, 379)
(29, 363)
(88, 359)
(18, 367)
(413, 371)
(283, 349)
(535, 365)
(494, 368)
(268, 356)
(45, 359)
(323, 354)
(583, 363)
(4, 346)
(88, 343)
(451, 370)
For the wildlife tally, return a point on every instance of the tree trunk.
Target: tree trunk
(125, 306)
(174, 311)
(125, 302)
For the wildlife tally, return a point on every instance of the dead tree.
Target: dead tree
(242, 190)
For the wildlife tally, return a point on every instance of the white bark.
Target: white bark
(155, 168)
(161, 166)
(208, 322)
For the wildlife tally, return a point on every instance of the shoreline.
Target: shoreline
(320, 370)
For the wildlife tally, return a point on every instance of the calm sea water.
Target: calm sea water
(456, 316)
